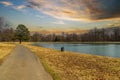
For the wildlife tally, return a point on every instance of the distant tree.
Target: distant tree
(7, 35)
(56, 39)
(116, 34)
(36, 37)
(6, 31)
(22, 33)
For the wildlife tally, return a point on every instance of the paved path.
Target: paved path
(22, 64)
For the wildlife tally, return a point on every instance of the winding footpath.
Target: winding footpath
(22, 64)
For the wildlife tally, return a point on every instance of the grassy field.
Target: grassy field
(5, 49)
(76, 66)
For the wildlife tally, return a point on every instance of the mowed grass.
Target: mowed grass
(5, 49)
(76, 66)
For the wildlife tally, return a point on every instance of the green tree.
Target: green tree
(22, 33)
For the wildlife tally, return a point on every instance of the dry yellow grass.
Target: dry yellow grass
(5, 49)
(75, 66)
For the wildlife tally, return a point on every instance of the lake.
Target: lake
(112, 50)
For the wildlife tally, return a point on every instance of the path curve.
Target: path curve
(22, 64)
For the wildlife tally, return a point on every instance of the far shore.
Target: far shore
(80, 42)
(29, 42)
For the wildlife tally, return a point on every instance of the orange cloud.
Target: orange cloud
(6, 3)
(59, 31)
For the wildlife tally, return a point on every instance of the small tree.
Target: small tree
(22, 33)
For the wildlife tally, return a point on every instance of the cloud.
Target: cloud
(78, 9)
(39, 16)
(4, 23)
(114, 23)
(5, 3)
(58, 31)
(58, 22)
(20, 7)
(16, 7)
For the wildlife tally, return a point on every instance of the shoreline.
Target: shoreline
(59, 45)
(80, 42)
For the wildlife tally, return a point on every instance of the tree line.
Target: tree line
(94, 35)
(8, 34)
(21, 33)
(102, 35)
(63, 37)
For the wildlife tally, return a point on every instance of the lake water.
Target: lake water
(112, 50)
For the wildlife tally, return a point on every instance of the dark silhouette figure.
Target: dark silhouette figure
(62, 49)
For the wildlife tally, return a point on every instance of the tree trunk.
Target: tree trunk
(20, 41)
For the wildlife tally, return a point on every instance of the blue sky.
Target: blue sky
(61, 15)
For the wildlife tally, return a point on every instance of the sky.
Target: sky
(61, 15)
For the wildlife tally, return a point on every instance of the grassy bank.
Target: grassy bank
(5, 49)
(76, 66)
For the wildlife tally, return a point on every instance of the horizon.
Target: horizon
(61, 16)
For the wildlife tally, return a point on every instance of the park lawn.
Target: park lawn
(76, 66)
(5, 49)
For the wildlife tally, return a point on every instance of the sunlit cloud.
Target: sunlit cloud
(114, 23)
(58, 22)
(6, 3)
(58, 30)
(78, 9)
(20, 7)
